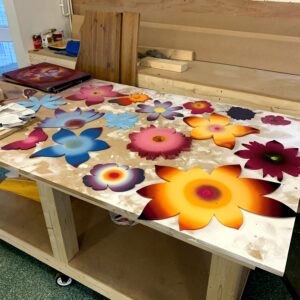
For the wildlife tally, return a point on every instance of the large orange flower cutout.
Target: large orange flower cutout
(219, 128)
(197, 196)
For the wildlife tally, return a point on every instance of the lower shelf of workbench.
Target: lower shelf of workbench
(118, 261)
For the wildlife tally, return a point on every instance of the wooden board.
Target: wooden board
(260, 35)
(164, 64)
(99, 52)
(170, 53)
(129, 43)
(58, 174)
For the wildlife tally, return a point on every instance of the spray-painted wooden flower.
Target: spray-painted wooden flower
(3, 173)
(219, 128)
(36, 136)
(75, 148)
(70, 119)
(197, 196)
(46, 101)
(122, 121)
(94, 95)
(116, 178)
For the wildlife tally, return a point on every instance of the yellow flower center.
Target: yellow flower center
(160, 110)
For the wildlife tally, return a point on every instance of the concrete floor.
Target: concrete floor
(23, 277)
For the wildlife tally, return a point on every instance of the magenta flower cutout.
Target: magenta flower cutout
(275, 120)
(272, 158)
(94, 95)
(152, 142)
(116, 178)
(36, 136)
(199, 107)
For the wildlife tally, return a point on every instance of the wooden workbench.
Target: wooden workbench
(153, 260)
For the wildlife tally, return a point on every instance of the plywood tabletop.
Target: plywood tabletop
(259, 242)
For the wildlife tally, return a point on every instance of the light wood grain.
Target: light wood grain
(60, 223)
(164, 64)
(100, 42)
(226, 279)
(129, 43)
(170, 53)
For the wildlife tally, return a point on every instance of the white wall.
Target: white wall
(27, 17)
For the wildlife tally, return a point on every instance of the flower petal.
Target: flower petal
(194, 221)
(92, 182)
(94, 101)
(52, 151)
(224, 139)
(240, 130)
(196, 121)
(99, 145)
(76, 160)
(76, 97)
(157, 208)
(61, 135)
(92, 133)
(219, 119)
(259, 186)
(230, 216)
(201, 133)
(153, 117)
(229, 170)
(167, 173)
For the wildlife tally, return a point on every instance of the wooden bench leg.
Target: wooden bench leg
(59, 221)
(226, 279)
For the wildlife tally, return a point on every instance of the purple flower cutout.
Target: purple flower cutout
(164, 109)
(275, 120)
(239, 113)
(117, 178)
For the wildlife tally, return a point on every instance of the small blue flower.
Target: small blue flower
(75, 148)
(47, 101)
(122, 121)
(71, 119)
(3, 174)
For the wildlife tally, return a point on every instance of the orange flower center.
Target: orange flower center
(199, 105)
(159, 138)
(74, 123)
(215, 128)
(113, 175)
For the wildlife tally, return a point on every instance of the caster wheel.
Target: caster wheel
(63, 280)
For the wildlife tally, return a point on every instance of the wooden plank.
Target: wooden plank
(129, 43)
(170, 53)
(164, 64)
(226, 279)
(60, 222)
(99, 53)
(77, 21)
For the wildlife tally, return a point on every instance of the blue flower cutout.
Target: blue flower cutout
(122, 121)
(3, 174)
(75, 148)
(71, 119)
(47, 101)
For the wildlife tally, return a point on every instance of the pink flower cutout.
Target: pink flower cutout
(94, 95)
(275, 120)
(36, 136)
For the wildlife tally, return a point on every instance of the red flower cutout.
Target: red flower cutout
(36, 136)
(272, 158)
(199, 107)
(275, 120)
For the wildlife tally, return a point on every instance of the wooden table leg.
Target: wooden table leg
(226, 279)
(59, 221)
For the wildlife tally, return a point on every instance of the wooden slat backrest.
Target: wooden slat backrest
(108, 47)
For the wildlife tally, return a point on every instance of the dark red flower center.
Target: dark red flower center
(159, 138)
(75, 123)
(208, 192)
(114, 175)
(274, 157)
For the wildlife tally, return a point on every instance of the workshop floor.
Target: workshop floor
(23, 277)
